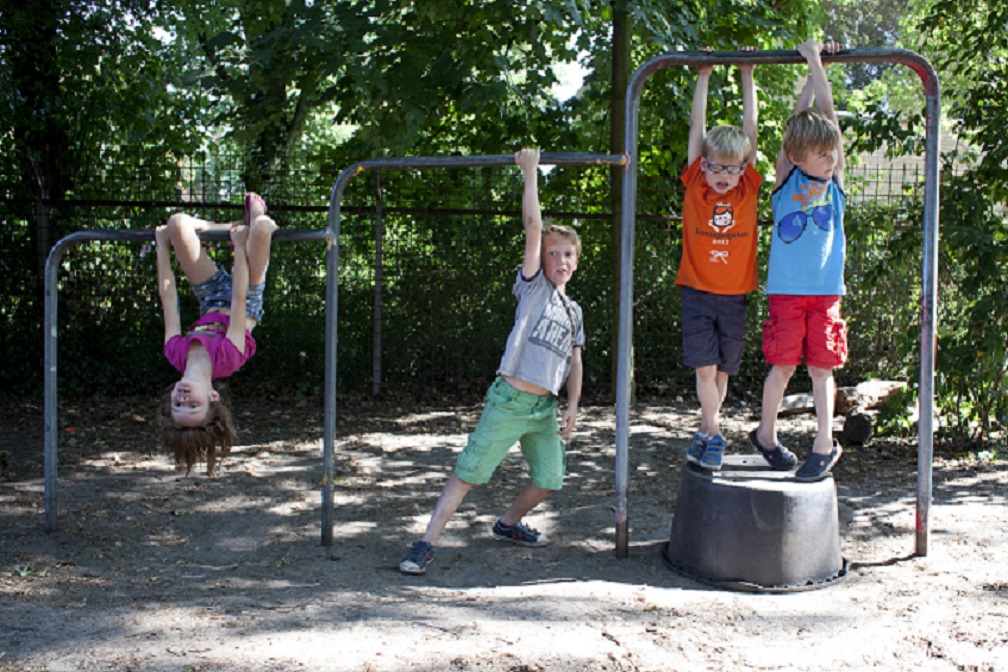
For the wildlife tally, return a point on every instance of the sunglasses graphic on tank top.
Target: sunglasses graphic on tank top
(793, 225)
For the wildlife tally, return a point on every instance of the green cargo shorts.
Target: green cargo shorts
(511, 416)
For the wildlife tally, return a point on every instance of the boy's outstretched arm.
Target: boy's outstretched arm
(784, 165)
(239, 287)
(823, 92)
(698, 113)
(569, 420)
(750, 110)
(528, 160)
(166, 284)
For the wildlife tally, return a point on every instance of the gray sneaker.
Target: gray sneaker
(697, 447)
(417, 558)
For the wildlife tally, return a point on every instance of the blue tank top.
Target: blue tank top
(808, 249)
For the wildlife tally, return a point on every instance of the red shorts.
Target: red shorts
(805, 325)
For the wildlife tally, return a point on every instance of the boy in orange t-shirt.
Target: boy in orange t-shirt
(718, 265)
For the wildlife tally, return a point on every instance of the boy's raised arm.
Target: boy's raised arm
(528, 160)
(783, 165)
(750, 111)
(812, 51)
(698, 113)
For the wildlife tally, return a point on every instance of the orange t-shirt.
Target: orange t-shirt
(719, 234)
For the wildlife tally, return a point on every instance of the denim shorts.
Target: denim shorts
(713, 328)
(216, 293)
(511, 416)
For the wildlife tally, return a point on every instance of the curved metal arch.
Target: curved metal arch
(929, 255)
(331, 237)
(332, 266)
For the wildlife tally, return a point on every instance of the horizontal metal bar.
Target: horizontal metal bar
(142, 236)
(545, 159)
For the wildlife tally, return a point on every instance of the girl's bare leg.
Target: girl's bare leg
(189, 251)
(257, 249)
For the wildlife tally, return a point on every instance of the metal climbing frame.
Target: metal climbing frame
(51, 334)
(929, 255)
(332, 266)
(331, 236)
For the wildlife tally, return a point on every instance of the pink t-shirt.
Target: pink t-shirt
(211, 331)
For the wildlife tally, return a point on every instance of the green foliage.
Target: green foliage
(968, 47)
(20, 308)
(89, 84)
(860, 24)
(125, 91)
(972, 354)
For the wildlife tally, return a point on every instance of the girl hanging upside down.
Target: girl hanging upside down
(194, 418)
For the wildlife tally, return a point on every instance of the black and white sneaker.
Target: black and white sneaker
(417, 558)
(518, 534)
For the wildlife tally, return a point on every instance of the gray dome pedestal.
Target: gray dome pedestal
(750, 528)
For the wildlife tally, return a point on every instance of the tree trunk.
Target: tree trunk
(45, 162)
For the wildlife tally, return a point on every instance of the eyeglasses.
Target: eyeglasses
(792, 226)
(718, 168)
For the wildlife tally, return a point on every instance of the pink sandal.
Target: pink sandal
(250, 199)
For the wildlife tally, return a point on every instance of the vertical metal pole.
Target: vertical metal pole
(50, 338)
(376, 343)
(331, 340)
(624, 362)
(51, 409)
(929, 256)
(929, 298)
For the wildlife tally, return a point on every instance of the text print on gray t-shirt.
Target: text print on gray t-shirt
(548, 325)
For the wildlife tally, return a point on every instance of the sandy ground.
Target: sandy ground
(149, 570)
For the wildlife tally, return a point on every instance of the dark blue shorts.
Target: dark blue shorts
(713, 329)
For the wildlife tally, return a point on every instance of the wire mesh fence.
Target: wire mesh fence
(435, 252)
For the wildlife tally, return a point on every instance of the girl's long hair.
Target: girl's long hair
(193, 444)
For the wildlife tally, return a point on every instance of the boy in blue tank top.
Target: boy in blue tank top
(805, 273)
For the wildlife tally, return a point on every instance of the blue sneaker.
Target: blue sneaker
(711, 459)
(697, 447)
(417, 558)
(519, 533)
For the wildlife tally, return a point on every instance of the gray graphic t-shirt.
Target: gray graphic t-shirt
(548, 326)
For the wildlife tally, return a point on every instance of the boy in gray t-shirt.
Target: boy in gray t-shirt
(543, 353)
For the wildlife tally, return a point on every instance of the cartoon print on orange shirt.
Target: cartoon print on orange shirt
(722, 219)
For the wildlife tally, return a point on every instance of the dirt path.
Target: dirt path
(155, 572)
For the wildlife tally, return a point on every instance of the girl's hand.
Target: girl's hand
(161, 236)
